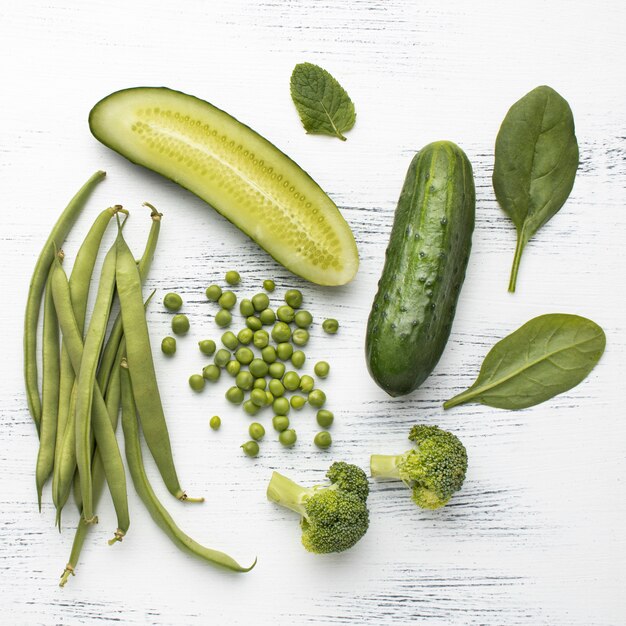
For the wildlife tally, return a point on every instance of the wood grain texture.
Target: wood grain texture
(536, 536)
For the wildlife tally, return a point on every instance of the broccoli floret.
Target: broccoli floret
(434, 470)
(335, 516)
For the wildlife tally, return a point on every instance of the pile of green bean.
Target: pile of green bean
(88, 375)
(263, 376)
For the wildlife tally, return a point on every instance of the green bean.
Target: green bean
(35, 291)
(141, 366)
(51, 353)
(146, 493)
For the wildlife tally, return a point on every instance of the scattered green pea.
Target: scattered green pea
(288, 437)
(244, 380)
(284, 351)
(260, 383)
(211, 372)
(196, 382)
(281, 332)
(233, 367)
(223, 318)
(232, 277)
(221, 357)
(297, 402)
(276, 388)
(244, 355)
(253, 323)
(281, 406)
(213, 292)
(180, 324)
(172, 302)
(285, 313)
(168, 346)
(293, 297)
(280, 422)
(250, 408)
(267, 317)
(291, 380)
(258, 368)
(303, 319)
(215, 422)
(269, 398)
(256, 431)
(269, 285)
(230, 340)
(277, 370)
(207, 346)
(268, 354)
(330, 326)
(321, 369)
(306, 383)
(317, 398)
(260, 301)
(325, 418)
(246, 308)
(234, 395)
(250, 448)
(300, 337)
(298, 358)
(323, 439)
(258, 397)
(227, 300)
(244, 336)
(260, 339)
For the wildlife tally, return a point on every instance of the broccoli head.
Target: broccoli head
(434, 470)
(333, 517)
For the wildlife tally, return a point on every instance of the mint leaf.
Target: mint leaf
(322, 103)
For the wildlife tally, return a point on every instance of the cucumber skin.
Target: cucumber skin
(425, 264)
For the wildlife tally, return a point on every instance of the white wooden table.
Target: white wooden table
(537, 534)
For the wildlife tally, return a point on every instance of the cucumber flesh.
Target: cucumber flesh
(235, 170)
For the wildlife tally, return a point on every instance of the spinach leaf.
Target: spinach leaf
(546, 356)
(322, 103)
(536, 159)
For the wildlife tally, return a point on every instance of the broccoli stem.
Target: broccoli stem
(285, 492)
(385, 465)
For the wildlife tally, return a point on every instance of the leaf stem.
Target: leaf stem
(461, 398)
(519, 248)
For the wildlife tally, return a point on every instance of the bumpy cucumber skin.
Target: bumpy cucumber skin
(425, 264)
(342, 230)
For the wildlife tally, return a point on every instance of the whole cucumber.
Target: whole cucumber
(424, 269)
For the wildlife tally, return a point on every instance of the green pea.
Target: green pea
(233, 367)
(303, 319)
(168, 346)
(300, 337)
(317, 398)
(298, 358)
(227, 300)
(277, 370)
(325, 418)
(321, 369)
(258, 397)
(234, 395)
(213, 293)
(330, 326)
(223, 318)
(253, 323)
(250, 408)
(323, 439)
(256, 431)
(307, 383)
(172, 302)
(196, 382)
(230, 340)
(207, 346)
(291, 380)
(276, 388)
(297, 402)
(244, 380)
(180, 324)
(215, 422)
(269, 285)
(250, 448)
(260, 339)
(280, 406)
(281, 332)
(221, 357)
(284, 351)
(246, 308)
(258, 368)
(260, 301)
(280, 422)
(267, 317)
(212, 373)
(260, 383)
(285, 313)
(269, 398)
(232, 277)
(293, 298)
(268, 354)
(244, 355)
(244, 336)
(288, 437)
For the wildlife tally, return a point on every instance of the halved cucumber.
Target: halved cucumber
(238, 172)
